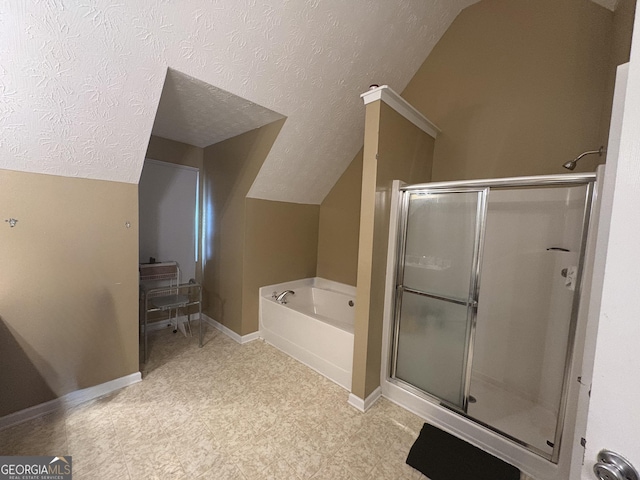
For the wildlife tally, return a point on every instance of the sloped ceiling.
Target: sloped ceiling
(200, 114)
(81, 80)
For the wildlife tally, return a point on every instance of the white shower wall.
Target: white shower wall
(524, 307)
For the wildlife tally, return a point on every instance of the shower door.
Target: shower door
(437, 292)
(487, 296)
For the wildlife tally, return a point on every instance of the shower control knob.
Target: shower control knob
(612, 466)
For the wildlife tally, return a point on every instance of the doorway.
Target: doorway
(168, 204)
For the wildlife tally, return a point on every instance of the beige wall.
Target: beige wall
(516, 87)
(339, 227)
(281, 244)
(620, 50)
(252, 242)
(165, 150)
(496, 84)
(394, 149)
(229, 170)
(69, 286)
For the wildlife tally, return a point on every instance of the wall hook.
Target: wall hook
(12, 222)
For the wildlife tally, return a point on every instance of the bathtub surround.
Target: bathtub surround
(315, 326)
(69, 286)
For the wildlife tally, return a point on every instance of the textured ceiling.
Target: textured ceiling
(81, 80)
(200, 114)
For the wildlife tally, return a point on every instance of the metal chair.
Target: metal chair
(161, 291)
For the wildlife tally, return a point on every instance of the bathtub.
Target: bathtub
(315, 326)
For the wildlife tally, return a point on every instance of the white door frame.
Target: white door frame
(614, 407)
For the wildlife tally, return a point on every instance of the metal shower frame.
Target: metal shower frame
(483, 188)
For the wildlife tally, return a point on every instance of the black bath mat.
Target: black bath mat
(441, 456)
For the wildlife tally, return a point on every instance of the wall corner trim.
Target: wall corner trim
(364, 405)
(69, 400)
(241, 339)
(400, 105)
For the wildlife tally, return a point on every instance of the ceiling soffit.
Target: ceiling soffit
(194, 112)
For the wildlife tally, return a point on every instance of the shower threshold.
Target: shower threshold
(512, 414)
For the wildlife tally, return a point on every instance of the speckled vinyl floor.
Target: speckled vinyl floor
(226, 411)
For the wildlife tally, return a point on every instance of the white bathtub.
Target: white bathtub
(315, 326)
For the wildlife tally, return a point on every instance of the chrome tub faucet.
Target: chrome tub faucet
(282, 297)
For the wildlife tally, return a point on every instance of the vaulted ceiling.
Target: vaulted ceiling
(81, 80)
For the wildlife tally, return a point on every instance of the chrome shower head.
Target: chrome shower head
(572, 164)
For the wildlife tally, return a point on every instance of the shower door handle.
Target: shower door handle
(457, 301)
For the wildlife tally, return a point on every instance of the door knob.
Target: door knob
(612, 466)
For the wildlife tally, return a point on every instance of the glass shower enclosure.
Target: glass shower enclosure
(487, 291)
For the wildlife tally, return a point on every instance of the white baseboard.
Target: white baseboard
(241, 339)
(69, 400)
(80, 396)
(364, 405)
